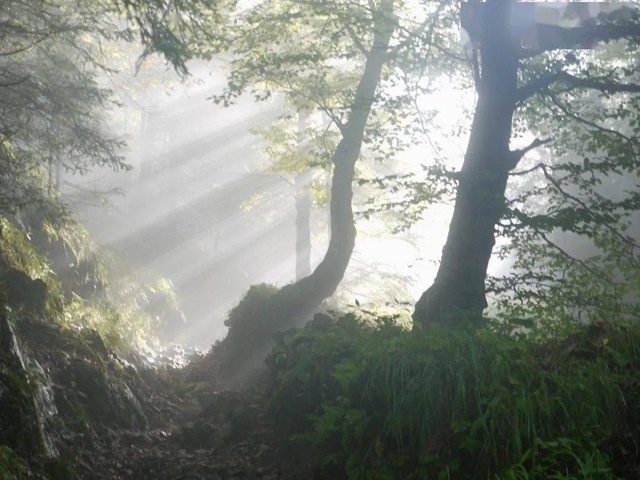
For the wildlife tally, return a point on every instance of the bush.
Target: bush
(464, 404)
(54, 261)
(251, 326)
(12, 467)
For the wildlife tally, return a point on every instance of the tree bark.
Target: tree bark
(303, 211)
(307, 293)
(250, 336)
(458, 291)
(303, 226)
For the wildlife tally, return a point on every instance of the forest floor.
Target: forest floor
(229, 437)
(194, 432)
(178, 424)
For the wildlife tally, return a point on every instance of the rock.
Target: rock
(23, 291)
(322, 321)
(105, 396)
(26, 397)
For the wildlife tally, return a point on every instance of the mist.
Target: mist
(199, 208)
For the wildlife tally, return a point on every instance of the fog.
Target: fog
(199, 209)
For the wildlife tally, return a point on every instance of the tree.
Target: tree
(51, 100)
(459, 288)
(576, 249)
(55, 58)
(295, 150)
(308, 50)
(311, 62)
(48, 97)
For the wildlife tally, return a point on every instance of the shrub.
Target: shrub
(464, 404)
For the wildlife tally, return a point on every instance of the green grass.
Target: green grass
(388, 403)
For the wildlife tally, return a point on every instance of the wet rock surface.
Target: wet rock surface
(111, 418)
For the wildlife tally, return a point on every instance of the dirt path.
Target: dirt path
(214, 436)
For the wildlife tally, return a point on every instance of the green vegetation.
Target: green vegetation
(12, 467)
(88, 289)
(386, 403)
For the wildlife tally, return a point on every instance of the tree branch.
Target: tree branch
(535, 86)
(564, 109)
(516, 155)
(597, 84)
(527, 171)
(625, 239)
(553, 37)
(13, 83)
(356, 40)
(605, 86)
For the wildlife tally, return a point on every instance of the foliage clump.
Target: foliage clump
(251, 325)
(82, 286)
(12, 467)
(380, 402)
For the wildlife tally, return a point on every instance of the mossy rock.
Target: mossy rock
(12, 466)
(23, 291)
(264, 313)
(251, 325)
(249, 316)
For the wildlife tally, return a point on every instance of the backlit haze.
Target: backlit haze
(199, 209)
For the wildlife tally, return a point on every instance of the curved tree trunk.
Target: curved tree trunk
(303, 227)
(301, 297)
(250, 339)
(303, 212)
(458, 291)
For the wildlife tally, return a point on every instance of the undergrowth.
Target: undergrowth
(87, 288)
(12, 467)
(380, 402)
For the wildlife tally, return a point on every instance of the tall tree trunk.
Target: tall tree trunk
(303, 211)
(250, 336)
(458, 291)
(307, 293)
(303, 226)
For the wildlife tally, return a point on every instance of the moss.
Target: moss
(251, 326)
(250, 315)
(12, 466)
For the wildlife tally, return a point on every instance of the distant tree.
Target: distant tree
(297, 151)
(51, 98)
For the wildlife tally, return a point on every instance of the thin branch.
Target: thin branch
(567, 255)
(540, 84)
(535, 86)
(594, 125)
(527, 171)
(449, 53)
(516, 155)
(356, 40)
(586, 207)
(411, 34)
(286, 180)
(13, 83)
(610, 87)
